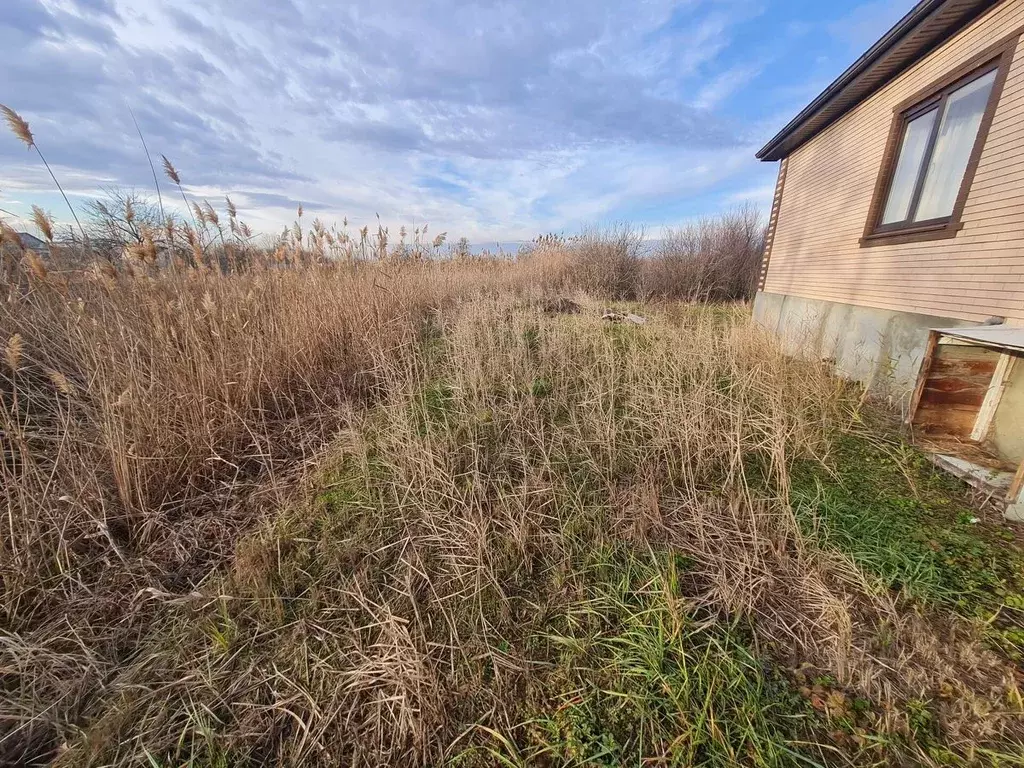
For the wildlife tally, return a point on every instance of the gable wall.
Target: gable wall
(816, 253)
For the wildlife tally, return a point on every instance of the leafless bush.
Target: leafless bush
(714, 259)
(124, 218)
(606, 262)
(602, 262)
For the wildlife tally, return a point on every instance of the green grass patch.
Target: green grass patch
(915, 528)
(639, 680)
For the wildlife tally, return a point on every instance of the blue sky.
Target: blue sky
(497, 121)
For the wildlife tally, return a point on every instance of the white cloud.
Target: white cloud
(760, 196)
(497, 121)
(720, 87)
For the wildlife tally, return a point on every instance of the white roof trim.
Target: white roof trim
(1000, 336)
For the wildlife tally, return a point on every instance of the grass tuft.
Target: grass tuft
(537, 539)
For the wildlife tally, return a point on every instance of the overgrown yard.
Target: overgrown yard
(525, 538)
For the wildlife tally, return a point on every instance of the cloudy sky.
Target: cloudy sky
(494, 120)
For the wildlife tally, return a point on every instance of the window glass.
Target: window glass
(908, 168)
(958, 131)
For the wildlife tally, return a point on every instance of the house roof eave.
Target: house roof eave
(929, 24)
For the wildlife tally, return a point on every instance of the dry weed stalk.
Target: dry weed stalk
(19, 127)
(369, 626)
(149, 159)
(151, 411)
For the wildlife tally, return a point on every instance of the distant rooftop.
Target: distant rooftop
(31, 241)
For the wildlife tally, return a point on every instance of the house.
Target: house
(896, 240)
(31, 242)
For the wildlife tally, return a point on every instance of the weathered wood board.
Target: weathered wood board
(955, 389)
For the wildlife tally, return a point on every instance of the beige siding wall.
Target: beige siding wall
(831, 179)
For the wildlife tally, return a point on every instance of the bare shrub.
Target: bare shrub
(714, 259)
(123, 218)
(606, 262)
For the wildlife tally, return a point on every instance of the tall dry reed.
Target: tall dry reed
(145, 423)
(408, 604)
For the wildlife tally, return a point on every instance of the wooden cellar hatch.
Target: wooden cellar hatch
(959, 401)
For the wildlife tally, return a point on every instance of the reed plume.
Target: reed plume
(12, 352)
(35, 265)
(106, 269)
(43, 222)
(232, 216)
(173, 175)
(8, 235)
(171, 171)
(193, 242)
(148, 251)
(60, 382)
(210, 214)
(19, 127)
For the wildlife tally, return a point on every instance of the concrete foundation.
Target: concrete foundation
(880, 348)
(883, 350)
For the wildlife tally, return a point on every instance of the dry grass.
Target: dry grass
(145, 424)
(515, 508)
(331, 500)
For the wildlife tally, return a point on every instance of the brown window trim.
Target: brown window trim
(997, 57)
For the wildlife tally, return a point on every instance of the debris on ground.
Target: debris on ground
(618, 317)
(560, 306)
